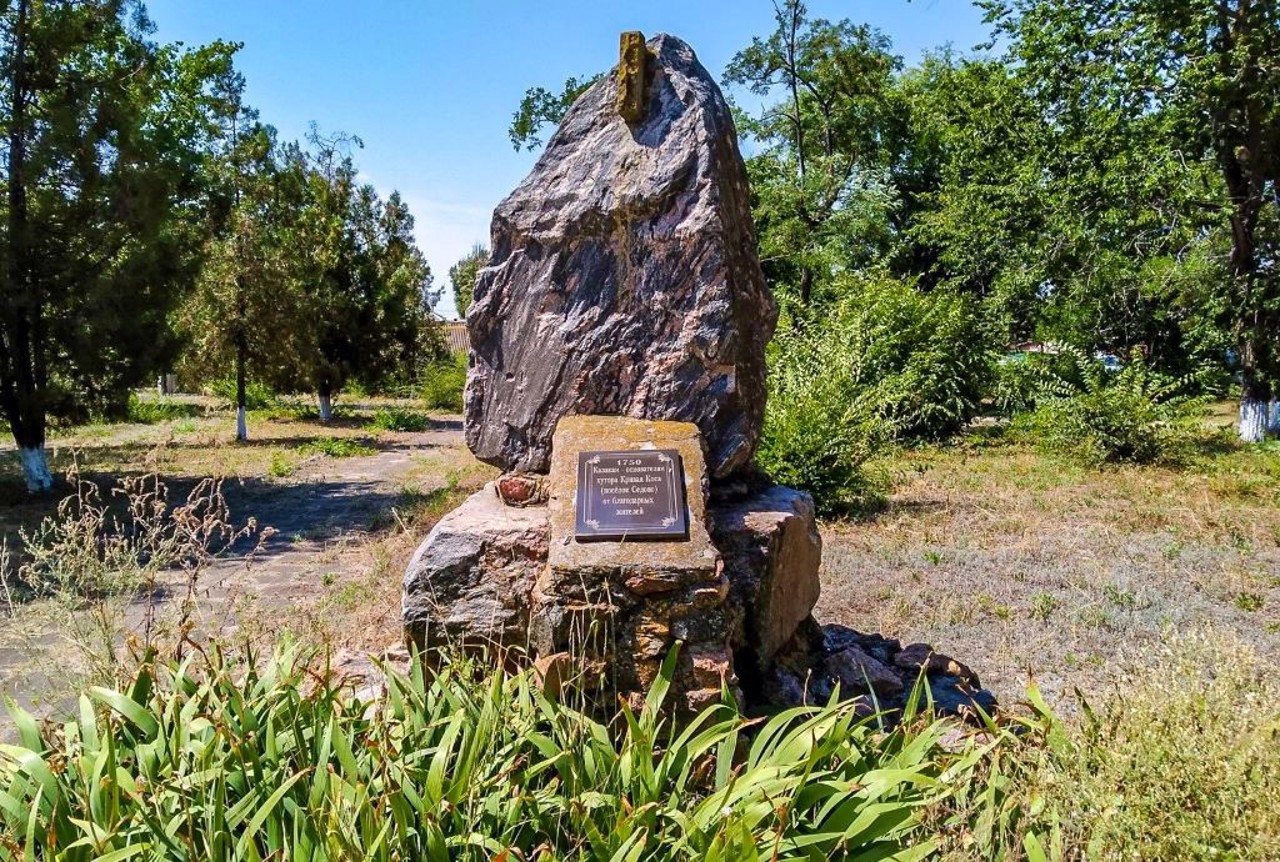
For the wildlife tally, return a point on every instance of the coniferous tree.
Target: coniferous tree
(102, 131)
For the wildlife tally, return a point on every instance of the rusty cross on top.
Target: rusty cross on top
(631, 76)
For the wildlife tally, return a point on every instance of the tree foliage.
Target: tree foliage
(462, 277)
(541, 107)
(102, 131)
(312, 280)
(1168, 112)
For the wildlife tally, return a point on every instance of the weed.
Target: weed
(1248, 602)
(282, 464)
(1180, 763)
(398, 419)
(336, 447)
(1120, 597)
(933, 558)
(1043, 605)
(97, 555)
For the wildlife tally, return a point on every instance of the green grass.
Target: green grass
(1180, 762)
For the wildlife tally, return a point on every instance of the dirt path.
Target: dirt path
(330, 524)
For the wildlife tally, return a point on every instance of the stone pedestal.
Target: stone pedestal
(771, 548)
(628, 602)
(469, 583)
(514, 579)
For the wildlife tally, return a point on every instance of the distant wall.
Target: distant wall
(455, 334)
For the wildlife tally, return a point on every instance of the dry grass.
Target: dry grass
(1022, 565)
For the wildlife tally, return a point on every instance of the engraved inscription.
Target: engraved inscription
(633, 494)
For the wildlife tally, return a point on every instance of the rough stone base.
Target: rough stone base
(469, 583)
(873, 669)
(772, 551)
(481, 579)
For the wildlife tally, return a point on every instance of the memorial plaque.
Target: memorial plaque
(637, 494)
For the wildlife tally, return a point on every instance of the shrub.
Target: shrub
(152, 411)
(398, 419)
(336, 447)
(886, 362)
(927, 351)
(257, 396)
(443, 382)
(204, 760)
(820, 430)
(1135, 415)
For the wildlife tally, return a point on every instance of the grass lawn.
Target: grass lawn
(1027, 566)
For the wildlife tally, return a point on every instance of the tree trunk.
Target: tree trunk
(242, 426)
(35, 468)
(1273, 414)
(325, 395)
(1255, 408)
(22, 365)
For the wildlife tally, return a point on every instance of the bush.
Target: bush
(257, 396)
(927, 352)
(820, 429)
(887, 362)
(398, 419)
(205, 760)
(1135, 415)
(153, 411)
(443, 382)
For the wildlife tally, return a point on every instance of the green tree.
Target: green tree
(822, 183)
(354, 262)
(102, 130)
(242, 318)
(540, 107)
(1184, 93)
(462, 276)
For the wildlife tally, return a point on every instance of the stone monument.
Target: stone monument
(617, 377)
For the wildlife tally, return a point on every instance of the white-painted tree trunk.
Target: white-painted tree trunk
(1273, 417)
(242, 424)
(326, 408)
(35, 468)
(1255, 416)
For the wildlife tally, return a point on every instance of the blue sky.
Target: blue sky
(430, 86)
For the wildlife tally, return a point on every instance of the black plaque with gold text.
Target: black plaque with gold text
(631, 495)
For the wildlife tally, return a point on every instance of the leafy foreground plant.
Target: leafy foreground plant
(201, 759)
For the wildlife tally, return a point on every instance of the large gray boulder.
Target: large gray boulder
(772, 552)
(624, 278)
(469, 583)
